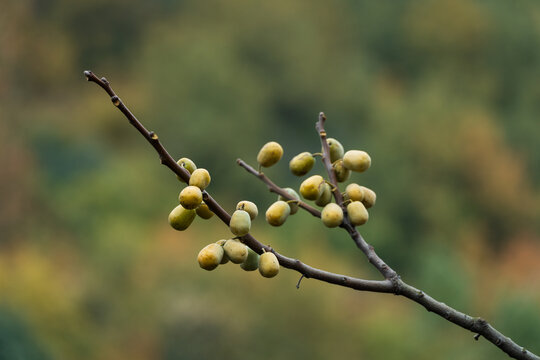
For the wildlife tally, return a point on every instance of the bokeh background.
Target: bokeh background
(444, 95)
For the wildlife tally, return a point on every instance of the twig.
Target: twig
(392, 284)
(299, 281)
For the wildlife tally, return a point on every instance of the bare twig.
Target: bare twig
(392, 283)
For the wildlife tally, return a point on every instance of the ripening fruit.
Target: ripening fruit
(180, 218)
(332, 215)
(326, 195)
(225, 258)
(356, 160)
(249, 207)
(252, 261)
(342, 173)
(270, 154)
(311, 188)
(235, 251)
(354, 192)
(204, 211)
(210, 256)
(357, 213)
(268, 265)
(200, 178)
(188, 165)
(369, 197)
(292, 205)
(277, 213)
(240, 223)
(302, 163)
(336, 149)
(190, 197)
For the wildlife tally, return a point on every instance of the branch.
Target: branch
(392, 284)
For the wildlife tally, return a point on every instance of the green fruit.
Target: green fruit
(200, 178)
(270, 154)
(190, 197)
(268, 265)
(336, 149)
(240, 223)
(292, 205)
(357, 213)
(302, 163)
(369, 197)
(356, 160)
(180, 218)
(252, 261)
(326, 195)
(210, 256)
(188, 165)
(236, 251)
(204, 211)
(249, 207)
(354, 192)
(342, 173)
(225, 258)
(311, 188)
(332, 215)
(277, 213)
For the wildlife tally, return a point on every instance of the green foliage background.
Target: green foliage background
(444, 95)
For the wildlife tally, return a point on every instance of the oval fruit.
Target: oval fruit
(342, 173)
(240, 223)
(356, 160)
(357, 213)
(332, 215)
(336, 149)
(225, 258)
(270, 154)
(326, 195)
(311, 188)
(190, 197)
(252, 261)
(354, 192)
(186, 164)
(268, 265)
(204, 211)
(302, 163)
(295, 196)
(180, 218)
(277, 213)
(369, 197)
(235, 251)
(249, 207)
(210, 256)
(200, 178)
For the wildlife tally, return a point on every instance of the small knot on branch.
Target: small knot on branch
(88, 74)
(476, 337)
(115, 100)
(153, 135)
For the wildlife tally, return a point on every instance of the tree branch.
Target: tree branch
(392, 284)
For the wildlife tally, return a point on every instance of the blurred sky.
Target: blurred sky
(444, 95)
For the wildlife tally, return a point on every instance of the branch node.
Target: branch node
(87, 73)
(115, 100)
(476, 337)
(153, 135)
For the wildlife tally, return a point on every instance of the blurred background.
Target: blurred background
(444, 95)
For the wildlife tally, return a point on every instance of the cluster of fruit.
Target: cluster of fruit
(357, 198)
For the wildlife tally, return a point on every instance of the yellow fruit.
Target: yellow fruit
(204, 211)
(200, 178)
(210, 256)
(240, 223)
(336, 149)
(270, 154)
(311, 188)
(188, 165)
(249, 207)
(357, 213)
(332, 215)
(252, 261)
(268, 265)
(277, 213)
(190, 197)
(342, 173)
(302, 163)
(326, 195)
(356, 160)
(180, 218)
(292, 205)
(354, 192)
(369, 197)
(235, 251)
